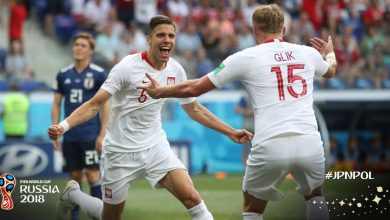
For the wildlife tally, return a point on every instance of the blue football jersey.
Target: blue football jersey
(77, 88)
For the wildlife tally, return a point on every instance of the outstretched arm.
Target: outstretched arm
(104, 115)
(189, 88)
(55, 116)
(82, 114)
(326, 50)
(200, 114)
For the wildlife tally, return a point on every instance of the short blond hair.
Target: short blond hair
(268, 18)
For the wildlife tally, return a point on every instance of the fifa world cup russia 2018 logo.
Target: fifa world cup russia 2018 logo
(7, 185)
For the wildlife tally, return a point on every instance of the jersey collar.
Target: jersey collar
(145, 57)
(274, 40)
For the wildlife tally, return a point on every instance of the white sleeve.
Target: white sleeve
(181, 76)
(114, 81)
(232, 68)
(321, 66)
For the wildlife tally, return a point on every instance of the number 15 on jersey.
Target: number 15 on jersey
(291, 78)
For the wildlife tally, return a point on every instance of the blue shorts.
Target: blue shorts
(79, 155)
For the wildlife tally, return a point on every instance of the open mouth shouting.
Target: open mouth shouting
(165, 51)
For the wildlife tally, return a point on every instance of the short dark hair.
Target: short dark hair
(158, 20)
(87, 36)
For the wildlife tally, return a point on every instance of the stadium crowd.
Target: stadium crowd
(211, 30)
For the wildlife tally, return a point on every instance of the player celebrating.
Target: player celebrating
(135, 145)
(279, 79)
(76, 84)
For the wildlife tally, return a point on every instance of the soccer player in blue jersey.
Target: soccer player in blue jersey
(75, 85)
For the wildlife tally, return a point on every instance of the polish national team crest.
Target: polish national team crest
(171, 80)
(108, 193)
(89, 82)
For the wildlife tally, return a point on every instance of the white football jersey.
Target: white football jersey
(135, 118)
(279, 79)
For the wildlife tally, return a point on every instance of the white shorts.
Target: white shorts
(122, 169)
(269, 162)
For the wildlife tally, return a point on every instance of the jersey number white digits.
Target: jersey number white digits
(291, 78)
(76, 96)
(91, 157)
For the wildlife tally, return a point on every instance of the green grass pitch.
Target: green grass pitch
(224, 199)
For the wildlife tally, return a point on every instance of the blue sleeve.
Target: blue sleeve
(59, 84)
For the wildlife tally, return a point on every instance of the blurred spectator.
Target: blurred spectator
(188, 39)
(313, 9)
(139, 37)
(331, 14)
(187, 59)
(373, 14)
(305, 26)
(127, 45)
(354, 155)
(107, 48)
(336, 159)
(16, 65)
(226, 28)
(244, 108)
(204, 65)
(18, 14)
(245, 37)
(203, 11)
(54, 7)
(144, 11)
(125, 9)
(374, 156)
(376, 66)
(178, 11)
(15, 112)
(293, 7)
(117, 26)
(373, 37)
(96, 12)
(248, 10)
(77, 11)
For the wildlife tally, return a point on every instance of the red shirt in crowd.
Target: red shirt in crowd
(18, 14)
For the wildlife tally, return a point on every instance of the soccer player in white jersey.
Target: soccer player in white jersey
(135, 145)
(279, 79)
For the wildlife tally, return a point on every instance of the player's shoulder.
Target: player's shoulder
(96, 68)
(130, 60)
(67, 68)
(174, 64)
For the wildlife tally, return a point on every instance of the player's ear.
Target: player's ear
(148, 39)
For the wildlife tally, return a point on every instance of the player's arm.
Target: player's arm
(103, 124)
(55, 116)
(82, 114)
(326, 50)
(200, 114)
(188, 88)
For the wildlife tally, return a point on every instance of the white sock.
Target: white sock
(90, 205)
(252, 216)
(200, 212)
(316, 209)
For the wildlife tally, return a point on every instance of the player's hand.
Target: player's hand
(323, 47)
(241, 136)
(55, 132)
(99, 144)
(152, 88)
(56, 145)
